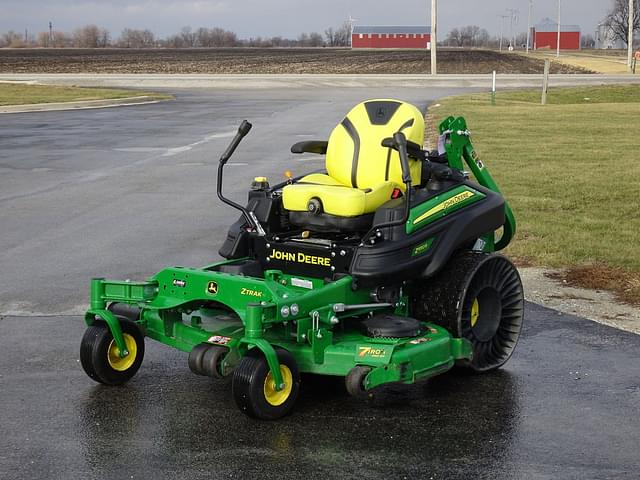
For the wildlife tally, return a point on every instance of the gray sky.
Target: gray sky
(286, 18)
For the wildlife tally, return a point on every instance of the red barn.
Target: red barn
(545, 35)
(391, 37)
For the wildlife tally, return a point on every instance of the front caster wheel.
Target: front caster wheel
(100, 357)
(254, 390)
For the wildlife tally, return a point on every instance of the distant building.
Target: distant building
(385, 36)
(545, 35)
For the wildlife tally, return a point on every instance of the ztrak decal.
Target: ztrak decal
(300, 257)
(179, 283)
(212, 288)
(250, 293)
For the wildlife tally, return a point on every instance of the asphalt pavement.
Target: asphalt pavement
(124, 192)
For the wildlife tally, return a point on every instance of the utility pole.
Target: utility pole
(513, 17)
(434, 36)
(502, 17)
(559, 12)
(352, 22)
(529, 24)
(50, 34)
(630, 40)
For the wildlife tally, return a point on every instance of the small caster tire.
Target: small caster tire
(195, 358)
(100, 357)
(212, 361)
(254, 390)
(354, 381)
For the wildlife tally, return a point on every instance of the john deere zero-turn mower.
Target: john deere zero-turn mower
(379, 269)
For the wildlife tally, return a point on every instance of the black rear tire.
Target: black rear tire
(253, 389)
(478, 297)
(99, 355)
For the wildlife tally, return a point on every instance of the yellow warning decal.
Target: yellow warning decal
(461, 197)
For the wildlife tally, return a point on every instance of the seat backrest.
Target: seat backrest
(355, 156)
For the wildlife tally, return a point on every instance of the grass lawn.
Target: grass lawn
(23, 94)
(571, 172)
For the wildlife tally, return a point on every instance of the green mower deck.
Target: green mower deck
(318, 334)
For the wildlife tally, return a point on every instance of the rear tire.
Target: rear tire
(478, 297)
(99, 354)
(253, 388)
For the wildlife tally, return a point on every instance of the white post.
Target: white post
(559, 24)
(493, 89)
(434, 35)
(529, 25)
(630, 39)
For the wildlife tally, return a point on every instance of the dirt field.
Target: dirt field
(245, 60)
(601, 61)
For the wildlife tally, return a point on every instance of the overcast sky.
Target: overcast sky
(285, 18)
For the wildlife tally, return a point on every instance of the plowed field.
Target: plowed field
(278, 61)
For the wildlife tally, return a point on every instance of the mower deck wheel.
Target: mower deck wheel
(212, 361)
(195, 358)
(100, 357)
(354, 381)
(254, 390)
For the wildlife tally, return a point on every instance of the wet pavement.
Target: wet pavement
(124, 192)
(565, 406)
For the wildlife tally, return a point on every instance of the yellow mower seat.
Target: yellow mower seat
(362, 174)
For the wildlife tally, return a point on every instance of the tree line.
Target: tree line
(93, 36)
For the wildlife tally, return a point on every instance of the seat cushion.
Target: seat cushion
(336, 198)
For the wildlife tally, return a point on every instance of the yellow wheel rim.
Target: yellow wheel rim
(278, 397)
(475, 312)
(113, 354)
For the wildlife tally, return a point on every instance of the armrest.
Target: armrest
(310, 146)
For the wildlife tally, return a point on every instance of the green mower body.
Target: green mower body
(399, 294)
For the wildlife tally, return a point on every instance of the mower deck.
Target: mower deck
(183, 307)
